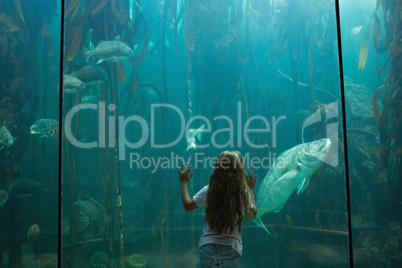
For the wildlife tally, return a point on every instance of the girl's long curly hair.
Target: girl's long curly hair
(227, 192)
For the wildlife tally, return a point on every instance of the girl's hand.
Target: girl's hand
(250, 179)
(184, 174)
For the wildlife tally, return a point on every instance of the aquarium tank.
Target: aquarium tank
(101, 101)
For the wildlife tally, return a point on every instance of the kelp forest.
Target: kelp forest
(389, 119)
(26, 42)
(90, 90)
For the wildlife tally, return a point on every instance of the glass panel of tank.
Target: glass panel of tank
(371, 53)
(29, 132)
(151, 85)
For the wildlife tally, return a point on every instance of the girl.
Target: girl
(229, 193)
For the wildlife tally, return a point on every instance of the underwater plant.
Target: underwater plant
(390, 118)
(103, 33)
(24, 39)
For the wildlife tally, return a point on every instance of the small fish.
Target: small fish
(33, 232)
(191, 135)
(151, 45)
(45, 128)
(99, 259)
(136, 259)
(224, 42)
(88, 209)
(280, 6)
(254, 14)
(72, 84)
(89, 98)
(355, 31)
(109, 51)
(25, 187)
(90, 75)
(6, 139)
(3, 197)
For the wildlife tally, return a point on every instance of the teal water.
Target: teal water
(263, 76)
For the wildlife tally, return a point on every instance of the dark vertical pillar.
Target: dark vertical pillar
(338, 25)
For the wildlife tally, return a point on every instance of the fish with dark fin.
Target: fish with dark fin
(109, 51)
(136, 259)
(25, 187)
(72, 84)
(45, 128)
(6, 139)
(90, 75)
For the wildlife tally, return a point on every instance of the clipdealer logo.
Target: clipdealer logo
(200, 161)
(147, 134)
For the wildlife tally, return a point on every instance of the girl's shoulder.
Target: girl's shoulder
(201, 196)
(204, 190)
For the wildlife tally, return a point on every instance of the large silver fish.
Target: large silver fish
(109, 51)
(291, 170)
(90, 75)
(72, 84)
(6, 139)
(191, 135)
(45, 128)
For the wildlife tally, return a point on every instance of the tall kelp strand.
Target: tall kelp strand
(100, 36)
(390, 118)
